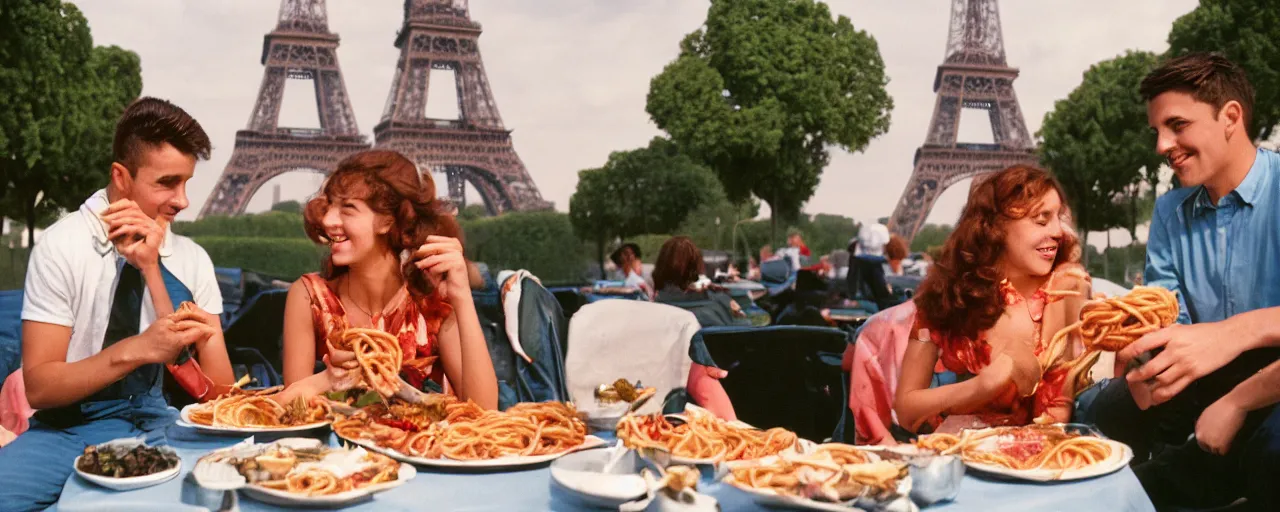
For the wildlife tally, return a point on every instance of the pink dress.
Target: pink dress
(415, 322)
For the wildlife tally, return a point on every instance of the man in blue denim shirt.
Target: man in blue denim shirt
(1216, 243)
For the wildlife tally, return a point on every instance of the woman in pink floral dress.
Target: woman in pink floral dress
(395, 264)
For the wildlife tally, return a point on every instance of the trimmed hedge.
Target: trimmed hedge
(540, 242)
(266, 224)
(284, 258)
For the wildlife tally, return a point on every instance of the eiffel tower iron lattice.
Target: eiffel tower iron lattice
(973, 75)
(300, 47)
(475, 148)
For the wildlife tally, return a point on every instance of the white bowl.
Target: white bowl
(134, 482)
(581, 474)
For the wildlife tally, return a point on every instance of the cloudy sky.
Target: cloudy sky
(570, 76)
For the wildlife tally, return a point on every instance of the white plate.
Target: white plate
(288, 499)
(185, 421)
(791, 502)
(901, 502)
(134, 482)
(504, 462)
(1121, 454)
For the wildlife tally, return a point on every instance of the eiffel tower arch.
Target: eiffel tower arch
(975, 75)
(299, 48)
(476, 148)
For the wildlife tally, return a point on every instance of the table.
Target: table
(531, 490)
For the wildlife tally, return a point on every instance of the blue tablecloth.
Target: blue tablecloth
(531, 490)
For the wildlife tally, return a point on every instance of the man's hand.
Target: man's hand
(1190, 352)
(1218, 426)
(189, 312)
(165, 338)
(136, 236)
(441, 258)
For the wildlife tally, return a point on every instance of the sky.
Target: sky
(570, 76)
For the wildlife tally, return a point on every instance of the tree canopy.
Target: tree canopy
(1097, 143)
(57, 114)
(646, 190)
(1248, 33)
(764, 89)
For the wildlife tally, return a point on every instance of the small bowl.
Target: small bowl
(133, 482)
(581, 474)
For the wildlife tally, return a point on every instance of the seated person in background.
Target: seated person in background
(796, 250)
(679, 281)
(678, 277)
(894, 252)
(96, 332)
(627, 258)
(395, 264)
(987, 311)
(753, 269)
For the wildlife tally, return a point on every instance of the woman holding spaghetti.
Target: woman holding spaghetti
(1006, 282)
(395, 264)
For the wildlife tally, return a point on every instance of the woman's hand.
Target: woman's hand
(993, 379)
(441, 258)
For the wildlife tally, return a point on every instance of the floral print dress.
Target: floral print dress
(414, 321)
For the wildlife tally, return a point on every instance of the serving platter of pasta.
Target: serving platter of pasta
(833, 476)
(255, 411)
(1033, 452)
(300, 472)
(699, 437)
(447, 432)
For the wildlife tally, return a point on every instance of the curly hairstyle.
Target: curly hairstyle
(392, 186)
(961, 294)
(679, 264)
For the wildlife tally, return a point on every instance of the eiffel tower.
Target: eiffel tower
(974, 75)
(301, 48)
(475, 148)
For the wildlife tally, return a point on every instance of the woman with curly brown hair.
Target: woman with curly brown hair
(395, 264)
(991, 304)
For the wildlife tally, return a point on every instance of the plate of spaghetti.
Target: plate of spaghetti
(1034, 452)
(255, 411)
(446, 432)
(699, 437)
(831, 476)
(301, 472)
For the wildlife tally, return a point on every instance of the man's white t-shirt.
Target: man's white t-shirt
(872, 239)
(73, 269)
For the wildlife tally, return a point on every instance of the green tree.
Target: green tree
(764, 89)
(1248, 33)
(594, 211)
(930, 236)
(647, 190)
(1096, 142)
(61, 98)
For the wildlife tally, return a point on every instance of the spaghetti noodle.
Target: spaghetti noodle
(377, 354)
(1111, 325)
(254, 409)
(465, 431)
(1031, 447)
(832, 473)
(310, 471)
(703, 436)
